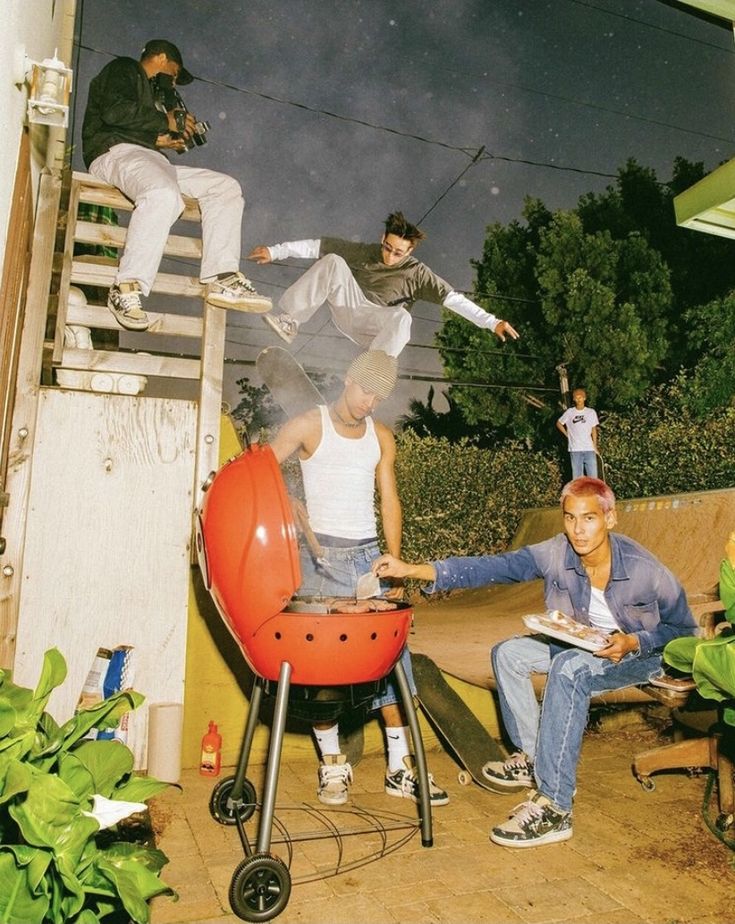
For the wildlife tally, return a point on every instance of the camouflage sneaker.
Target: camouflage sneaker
(532, 823)
(237, 291)
(404, 784)
(514, 774)
(123, 300)
(284, 325)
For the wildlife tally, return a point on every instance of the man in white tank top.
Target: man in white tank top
(344, 456)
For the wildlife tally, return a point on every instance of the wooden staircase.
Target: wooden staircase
(205, 331)
(102, 485)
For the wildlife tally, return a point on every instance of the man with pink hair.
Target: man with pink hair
(603, 580)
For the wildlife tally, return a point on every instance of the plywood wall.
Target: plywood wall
(107, 555)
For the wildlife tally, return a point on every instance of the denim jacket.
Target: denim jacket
(643, 595)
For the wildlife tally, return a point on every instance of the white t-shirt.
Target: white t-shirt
(579, 426)
(600, 615)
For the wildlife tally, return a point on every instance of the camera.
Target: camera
(168, 99)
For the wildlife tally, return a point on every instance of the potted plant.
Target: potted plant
(54, 786)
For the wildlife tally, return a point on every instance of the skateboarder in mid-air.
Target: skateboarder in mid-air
(602, 579)
(344, 453)
(369, 288)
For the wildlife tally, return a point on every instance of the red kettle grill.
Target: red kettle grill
(248, 553)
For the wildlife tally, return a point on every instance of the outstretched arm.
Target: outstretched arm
(306, 250)
(388, 566)
(466, 308)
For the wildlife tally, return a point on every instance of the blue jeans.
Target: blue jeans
(584, 463)
(340, 580)
(551, 734)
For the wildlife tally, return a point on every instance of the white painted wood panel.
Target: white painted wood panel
(107, 542)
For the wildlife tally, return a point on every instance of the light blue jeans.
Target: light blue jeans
(584, 463)
(551, 734)
(340, 580)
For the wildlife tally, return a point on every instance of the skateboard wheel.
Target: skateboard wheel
(464, 778)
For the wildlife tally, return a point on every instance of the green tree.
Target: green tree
(614, 290)
(596, 303)
(711, 383)
(256, 410)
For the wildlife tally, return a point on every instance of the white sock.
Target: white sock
(397, 738)
(327, 739)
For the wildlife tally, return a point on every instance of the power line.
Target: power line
(318, 335)
(453, 184)
(650, 25)
(467, 151)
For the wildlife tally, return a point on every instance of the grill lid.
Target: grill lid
(247, 541)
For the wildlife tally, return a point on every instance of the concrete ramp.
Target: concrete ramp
(685, 531)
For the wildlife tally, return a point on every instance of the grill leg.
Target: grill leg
(427, 838)
(274, 760)
(247, 741)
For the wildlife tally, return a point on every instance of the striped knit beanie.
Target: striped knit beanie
(375, 371)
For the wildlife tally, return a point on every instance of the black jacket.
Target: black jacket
(120, 108)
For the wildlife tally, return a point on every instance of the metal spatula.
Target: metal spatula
(368, 585)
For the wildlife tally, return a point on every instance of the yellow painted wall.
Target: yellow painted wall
(218, 681)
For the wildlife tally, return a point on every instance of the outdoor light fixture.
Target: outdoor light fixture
(48, 101)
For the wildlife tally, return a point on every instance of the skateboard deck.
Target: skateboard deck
(468, 739)
(286, 380)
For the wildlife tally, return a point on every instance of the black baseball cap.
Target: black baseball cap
(161, 46)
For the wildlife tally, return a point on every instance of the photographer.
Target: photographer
(126, 135)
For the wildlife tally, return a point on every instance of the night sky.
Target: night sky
(332, 113)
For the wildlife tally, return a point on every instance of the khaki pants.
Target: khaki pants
(330, 281)
(156, 186)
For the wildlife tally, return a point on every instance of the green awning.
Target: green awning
(709, 205)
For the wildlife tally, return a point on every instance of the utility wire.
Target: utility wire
(453, 183)
(467, 151)
(650, 25)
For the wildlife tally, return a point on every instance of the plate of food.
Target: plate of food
(560, 626)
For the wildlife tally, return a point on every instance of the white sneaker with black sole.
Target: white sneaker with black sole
(404, 784)
(123, 300)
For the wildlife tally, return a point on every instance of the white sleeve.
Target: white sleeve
(308, 250)
(465, 308)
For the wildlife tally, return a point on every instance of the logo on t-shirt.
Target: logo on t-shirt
(578, 418)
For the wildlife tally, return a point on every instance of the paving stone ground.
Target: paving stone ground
(635, 857)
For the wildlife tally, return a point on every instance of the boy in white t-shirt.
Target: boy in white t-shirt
(579, 424)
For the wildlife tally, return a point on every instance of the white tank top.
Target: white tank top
(339, 482)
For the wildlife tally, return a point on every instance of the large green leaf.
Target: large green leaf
(53, 674)
(108, 762)
(87, 917)
(7, 716)
(134, 871)
(140, 789)
(76, 776)
(18, 904)
(17, 779)
(51, 816)
(105, 714)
